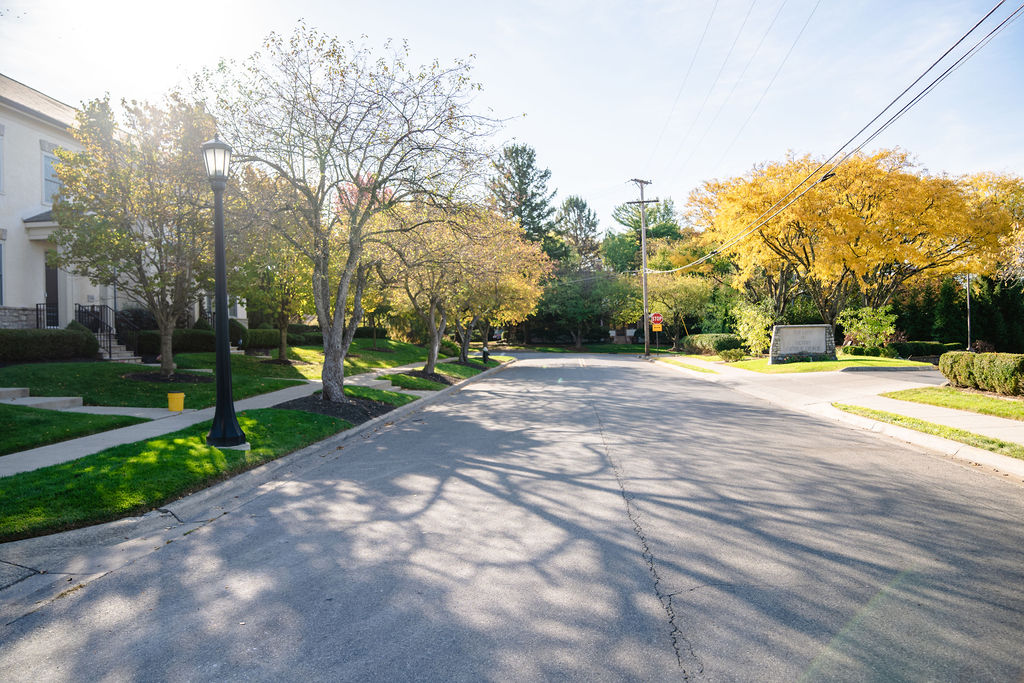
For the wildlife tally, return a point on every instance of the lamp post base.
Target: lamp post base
(244, 446)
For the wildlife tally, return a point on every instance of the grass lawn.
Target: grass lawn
(135, 478)
(695, 368)
(26, 427)
(103, 384)
(415, 383)
(362, 357)
(970, 438)
(382, 395)
(458, 372)
(951, 397)
(761, 364)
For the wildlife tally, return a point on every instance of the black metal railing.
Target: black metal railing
(47, 316)
(109, 326)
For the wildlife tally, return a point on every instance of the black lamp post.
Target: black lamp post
(225, 431)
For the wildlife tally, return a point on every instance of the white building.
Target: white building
(32, 294)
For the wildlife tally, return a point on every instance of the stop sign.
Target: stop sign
(656, 318)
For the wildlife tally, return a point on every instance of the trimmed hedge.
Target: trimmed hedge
(710, 344)
(1002, 373)
(237, 332)
(449, 347)
(314, 338)
(921, 348)
(263, 339)
(366, 332)
(182, 341)
(20, 346)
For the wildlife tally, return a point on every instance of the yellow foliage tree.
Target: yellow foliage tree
(874, 225)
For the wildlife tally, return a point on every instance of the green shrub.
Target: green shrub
(958, 368)
(889, 352)
(299, 328)
(731, 355)
(710, 344)
(854, 350)
(754, 325)
(182, 341)
(193, 341)
(315, 338)
(296, 339)
(1002, 373)
(77, 326)
(202, 324)
(264, 326)
(366, 332)
(450, 348)
(873, 351)
(263, 339)
(21, 346)
(953, 346)
(237, 332)
(867, 326)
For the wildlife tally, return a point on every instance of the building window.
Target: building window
(51, 183)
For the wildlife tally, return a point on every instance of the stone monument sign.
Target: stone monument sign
(789, 341)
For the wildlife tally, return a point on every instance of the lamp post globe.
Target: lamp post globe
(224, 432)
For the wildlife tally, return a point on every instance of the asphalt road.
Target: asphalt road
(572, 518)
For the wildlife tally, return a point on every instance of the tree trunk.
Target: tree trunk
(485, 331)
(166, 351)
(282, 348)
(465, 337)
(578, 337)
(436, 331)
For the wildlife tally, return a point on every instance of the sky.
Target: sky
(675, 92)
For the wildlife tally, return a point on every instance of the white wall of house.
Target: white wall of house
(32, 126)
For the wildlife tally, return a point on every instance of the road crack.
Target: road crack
(679, 639)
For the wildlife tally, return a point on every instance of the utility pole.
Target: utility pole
(643, 256)
(968, 311)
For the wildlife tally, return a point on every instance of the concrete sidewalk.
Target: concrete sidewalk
(164, 421)
(815, 392)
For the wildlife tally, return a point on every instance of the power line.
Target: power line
(769, 86)
(739, 79)
(682, 85)
(714, 83)
(758, 222)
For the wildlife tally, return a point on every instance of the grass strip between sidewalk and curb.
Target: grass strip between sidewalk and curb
(134, 478)
(951, 397)
(695, 368)
(969, 438)
(26, 427)
(415, 383)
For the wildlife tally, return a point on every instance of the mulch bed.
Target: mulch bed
(275, 361)
(176, 378)
(433, 376)
(355, 410)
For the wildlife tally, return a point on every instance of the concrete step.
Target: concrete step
(49, 402)
(127, 358)
(12, 392)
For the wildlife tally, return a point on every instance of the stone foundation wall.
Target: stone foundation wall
(12, 318)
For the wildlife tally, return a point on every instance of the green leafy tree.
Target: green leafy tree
(622, 250)
(754, 325)
(357, 136)
(868, 326)
(678, 297)
(134, 206)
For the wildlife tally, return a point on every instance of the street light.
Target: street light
(225, 432)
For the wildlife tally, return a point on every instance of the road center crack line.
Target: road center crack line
(676, 634)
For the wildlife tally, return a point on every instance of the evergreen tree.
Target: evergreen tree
(520, 189)
(950, 314)
(577, 222)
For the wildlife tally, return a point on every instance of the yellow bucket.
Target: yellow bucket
(176, 402)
